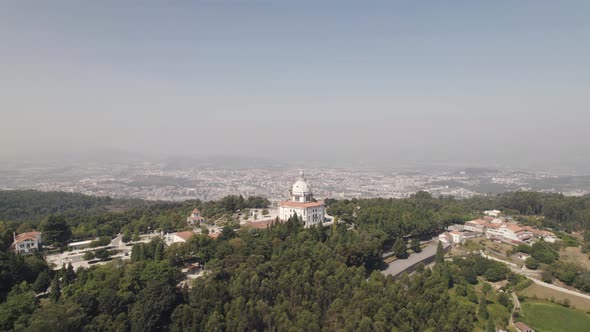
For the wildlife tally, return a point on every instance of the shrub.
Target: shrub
(531, 263)
(495, 273)
(101, 254)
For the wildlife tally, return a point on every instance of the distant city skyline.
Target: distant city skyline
(461, 83)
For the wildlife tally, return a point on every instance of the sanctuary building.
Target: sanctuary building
(303, 204)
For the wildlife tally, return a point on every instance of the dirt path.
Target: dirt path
(515, 307)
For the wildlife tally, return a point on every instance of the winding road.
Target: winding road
(528, 273)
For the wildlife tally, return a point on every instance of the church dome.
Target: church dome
(301, 187)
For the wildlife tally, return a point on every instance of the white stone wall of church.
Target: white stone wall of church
(310, 216)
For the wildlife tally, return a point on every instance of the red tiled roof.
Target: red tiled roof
(195, 211)
(513, 227)
(185, 235)
(300, 204)
(537, 231)
(522, 326)
(27, 236)
(214, 235)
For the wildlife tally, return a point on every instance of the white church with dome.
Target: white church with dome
(303, 204)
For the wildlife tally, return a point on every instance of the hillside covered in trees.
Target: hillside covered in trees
(81, 217)
(283, 278)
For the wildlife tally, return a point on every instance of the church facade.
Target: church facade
(303, 204)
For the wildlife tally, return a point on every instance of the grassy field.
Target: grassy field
(547, 293)
(547, 317)
(469, 246)
(502, 248)
(575, 255)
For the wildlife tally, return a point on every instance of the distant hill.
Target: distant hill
(31, 205)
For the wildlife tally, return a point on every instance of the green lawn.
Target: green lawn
(546, 317)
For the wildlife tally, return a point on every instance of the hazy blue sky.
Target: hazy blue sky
(467, 81)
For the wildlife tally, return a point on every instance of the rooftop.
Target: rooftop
(522, 326)
(27, 236)
(80, 243)
(185, 235)
(513, 227)
(477, 221)
(300, 204)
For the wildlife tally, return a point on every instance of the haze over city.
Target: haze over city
(460, 83)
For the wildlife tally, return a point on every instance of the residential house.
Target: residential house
(522, 327)
(509, 231)
(515, 233)
(179, 237)
(26, 243)
(492, 213)
(542, 234)
(445, 237)
(477, 225)
(457, 237)
(451, 237)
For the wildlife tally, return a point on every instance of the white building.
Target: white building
(510, 231)
(26, 243)
(541, 234)
(81, 244)
(477, 225)
(303, 204)
(457, 237)
(445, 237)
(195, 217)
(548, 237)
(492, 213)
(179, 237)
(452, 237)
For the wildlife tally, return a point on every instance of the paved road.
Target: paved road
(528, 273)
(76, 256)
(401, 265)
(561, 289)
(117, 242)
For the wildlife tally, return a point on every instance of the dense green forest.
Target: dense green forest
(82, 217)
(388, 219)
(284, 278)
(422, 212)
(281, 278)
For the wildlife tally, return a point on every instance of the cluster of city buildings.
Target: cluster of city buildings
(172, 181)
(495, 227)
(312, 212)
